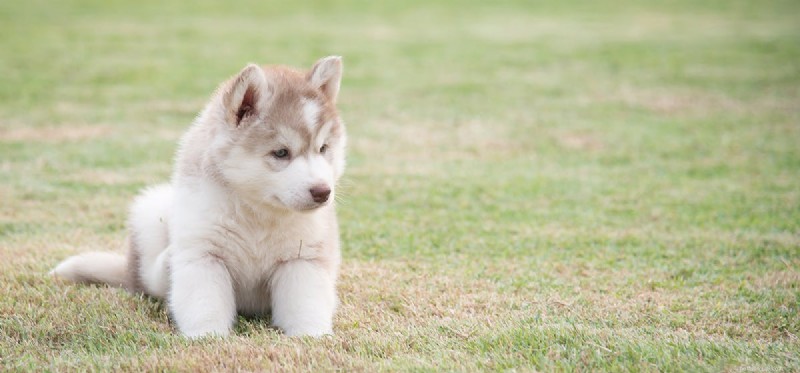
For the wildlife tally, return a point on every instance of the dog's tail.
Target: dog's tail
(95, 268)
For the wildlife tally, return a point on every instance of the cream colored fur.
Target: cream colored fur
(242, 228)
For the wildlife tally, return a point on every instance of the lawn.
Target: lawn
(592, 186)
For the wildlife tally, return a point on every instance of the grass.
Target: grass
(608, 185)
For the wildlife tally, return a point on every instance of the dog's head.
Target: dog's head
(280, 141)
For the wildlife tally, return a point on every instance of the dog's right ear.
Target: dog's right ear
(247, 96)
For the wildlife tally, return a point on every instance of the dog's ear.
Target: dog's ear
(246, 96)
(326, 75)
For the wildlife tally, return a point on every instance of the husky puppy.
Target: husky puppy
(247, 223)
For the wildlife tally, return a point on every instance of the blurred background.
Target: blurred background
(537, 104)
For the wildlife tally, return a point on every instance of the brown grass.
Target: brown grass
(61, 133)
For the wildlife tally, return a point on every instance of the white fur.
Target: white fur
(94, 267)
(150, 213)
(247, 239)
(310, 112)
(303, 295)
(294, 182)
(202, 282)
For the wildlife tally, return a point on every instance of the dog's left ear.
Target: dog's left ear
(247, 95)
(326, 75)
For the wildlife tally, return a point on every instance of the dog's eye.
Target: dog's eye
(323, 148)
(280, 154)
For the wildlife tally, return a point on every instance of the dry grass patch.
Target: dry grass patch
(416, 141)
(394, 313)
(62, 133)
(788, 279)
(581, 141)
(695, 102)
(142, 175)
(420, 292)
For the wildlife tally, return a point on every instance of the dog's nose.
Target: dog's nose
(320, 193)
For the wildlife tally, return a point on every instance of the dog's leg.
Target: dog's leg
(303, 299)
(201, 297)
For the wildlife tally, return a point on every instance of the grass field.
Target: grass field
(593, 186)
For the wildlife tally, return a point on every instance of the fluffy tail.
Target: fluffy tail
(95, 268)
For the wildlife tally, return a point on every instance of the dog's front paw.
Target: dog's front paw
(303, 299)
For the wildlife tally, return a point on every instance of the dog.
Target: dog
(247, 224)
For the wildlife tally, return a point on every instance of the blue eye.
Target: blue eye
(280, 154)
(323, 148)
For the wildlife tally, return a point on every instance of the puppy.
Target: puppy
(247, 224)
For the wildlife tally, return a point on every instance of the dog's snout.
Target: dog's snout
(320, 193)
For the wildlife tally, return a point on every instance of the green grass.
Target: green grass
(602, 186)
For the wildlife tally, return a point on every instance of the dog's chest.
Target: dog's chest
(257, 250)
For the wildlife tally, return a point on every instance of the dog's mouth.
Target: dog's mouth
(313, 206)
(306, 207)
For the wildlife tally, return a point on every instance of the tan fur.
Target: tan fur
(134, 265)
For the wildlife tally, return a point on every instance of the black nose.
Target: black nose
(320, 193)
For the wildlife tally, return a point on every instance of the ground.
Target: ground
(601, 186)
